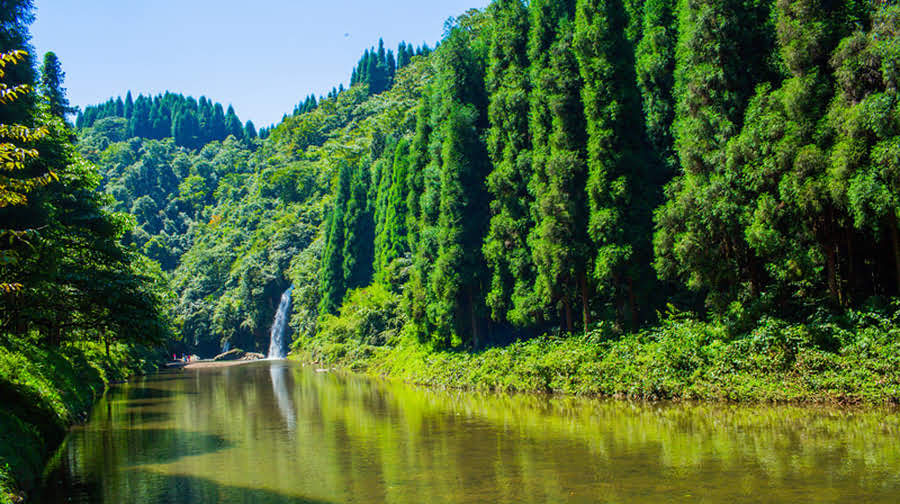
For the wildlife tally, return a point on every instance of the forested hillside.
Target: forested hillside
(552, 167)
(642, 198)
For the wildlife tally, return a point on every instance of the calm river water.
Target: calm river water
(278, 432)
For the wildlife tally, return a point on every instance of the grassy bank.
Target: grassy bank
(852, 358)
(43, 391)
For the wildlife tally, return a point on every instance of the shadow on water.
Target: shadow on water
(162, 488)
(142, 393)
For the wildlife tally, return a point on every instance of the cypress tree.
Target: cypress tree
(332, 287)
(358, 252)
(418, 160)
(620, 187)
(655, 69)
(505, 248)
(250, 130)
(396, 244)
(128, 109)
(140, 125)
(52, 78)
(391, 65)
(722, 53)
(455, 292)
(233, 125)
(559, 242)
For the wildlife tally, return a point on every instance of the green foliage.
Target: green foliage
(505, 246)
(559, 239)
(51, 86)
(44, 390)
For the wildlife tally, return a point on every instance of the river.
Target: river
(278, 432)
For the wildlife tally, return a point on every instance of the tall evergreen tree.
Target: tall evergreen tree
(394, 244)
(52, 78)
(455, 289)
(332, 287)
(358, 252)
(655, 69)
(722, 53)
(506, 245)
(129, 106)
(559, 241)
(620, 186)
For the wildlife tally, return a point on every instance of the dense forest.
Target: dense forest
(646, 198)
(552, 167)
(573, 169)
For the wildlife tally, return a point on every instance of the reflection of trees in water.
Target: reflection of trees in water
(359, 440)
(279, 374)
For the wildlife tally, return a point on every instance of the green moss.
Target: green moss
(43, 391)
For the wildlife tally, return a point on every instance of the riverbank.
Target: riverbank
(43, 392)
(851, 360)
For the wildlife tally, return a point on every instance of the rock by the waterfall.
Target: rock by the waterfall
(252, 356)
(233, 354)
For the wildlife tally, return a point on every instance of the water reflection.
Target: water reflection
(277, 432)
(280, 376)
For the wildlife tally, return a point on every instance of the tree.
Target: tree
(655, 69)
(15, 180)
(559, 241)
(332, 287)
(358, 250)
(15, 16)
(455, 293)
(233, 125)
(394, 242)
(505, 246)
(723, 51)
(250, 130)
(620, 186)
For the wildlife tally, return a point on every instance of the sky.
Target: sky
(262, 56)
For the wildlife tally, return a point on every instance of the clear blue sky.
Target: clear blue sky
(261, 56)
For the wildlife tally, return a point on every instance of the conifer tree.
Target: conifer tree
(358, 252)
(559, 240)
(394, 240)
(655, 69)
(455, 290)
(620, 186)
(52, 78)
(233, 125)
(722, 53)
(505, 248)
(332, 287)
(128, 109)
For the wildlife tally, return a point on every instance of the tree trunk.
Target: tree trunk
(830, 266)
(895, 239)
(585, 310)
(569, 320)
(632, 303)
(475, 339)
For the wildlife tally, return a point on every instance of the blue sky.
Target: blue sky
(261, 56)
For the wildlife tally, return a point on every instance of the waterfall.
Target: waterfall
(277, 344)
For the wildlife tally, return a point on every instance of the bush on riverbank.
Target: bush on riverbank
(851, 357)
(44, 390)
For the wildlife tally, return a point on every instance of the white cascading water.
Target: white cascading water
(277, 344)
